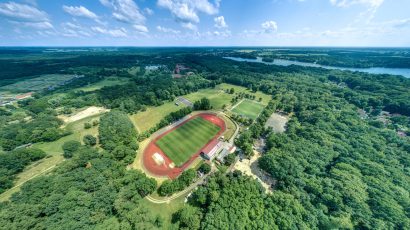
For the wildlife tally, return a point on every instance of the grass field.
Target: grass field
(248, 108)
(108, 81)
(165, 211)
(38, 83)
(180, 144)
(79, 132)
(149, 118)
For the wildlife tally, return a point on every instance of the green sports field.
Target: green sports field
(249, 109)
(180, 144)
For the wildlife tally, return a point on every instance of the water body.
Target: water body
(405, 72)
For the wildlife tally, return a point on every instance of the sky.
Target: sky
(366, 23)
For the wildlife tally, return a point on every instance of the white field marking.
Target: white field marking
(233, 107)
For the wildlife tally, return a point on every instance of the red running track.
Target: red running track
(164, 169)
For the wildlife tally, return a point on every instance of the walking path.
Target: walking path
(167, 200)
(6, 195)
(237, 104)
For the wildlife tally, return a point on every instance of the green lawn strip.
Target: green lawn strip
(180, 144)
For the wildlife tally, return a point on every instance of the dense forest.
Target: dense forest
(344, 171)
(14, 162)
(333, 168)
(91, 190)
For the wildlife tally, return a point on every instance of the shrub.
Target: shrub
(87, 125)
(70, 147)
(89, 140)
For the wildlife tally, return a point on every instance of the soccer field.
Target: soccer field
(180, 144)
(249, 109)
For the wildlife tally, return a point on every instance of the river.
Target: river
(405, 72)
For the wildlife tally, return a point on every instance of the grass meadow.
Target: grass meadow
(217, 96)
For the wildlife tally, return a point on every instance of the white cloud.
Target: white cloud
(140, 28)
(347, 3)
(190, 26)
(71, 25)
(125, 11)
(186, 11)
(220, 22)
(401, 23)
(148, 11)
(22, 12)
(80, 11)
(269, 26)
(167, 30)
(223, 34)
(367, 16)
(38, 25)
(25, 15)
(114, 33)
(73, 30)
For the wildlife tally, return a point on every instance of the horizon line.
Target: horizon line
(204, 46)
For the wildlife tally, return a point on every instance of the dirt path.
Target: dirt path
(162, 200)
(30, 174)
(250, 167)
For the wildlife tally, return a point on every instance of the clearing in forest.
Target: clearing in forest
(88, 112)
(180, 144)
(248, 108)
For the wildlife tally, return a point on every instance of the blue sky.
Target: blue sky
(205, 23)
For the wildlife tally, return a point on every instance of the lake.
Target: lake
(405, 72)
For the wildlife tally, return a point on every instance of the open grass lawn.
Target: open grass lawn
(180, 144)
(165, 210)
(79, 132)
(149, 118)
(239, 89)
(249, 109)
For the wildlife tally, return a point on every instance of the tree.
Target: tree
(69, 147)
(115, 130)
(89, 140)
(204, 168)
(188, 217)
(95, 122)
(120, 152)
(203, 104)
(230, 159)
(232, 91)
(87, 125)
(14, 162)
